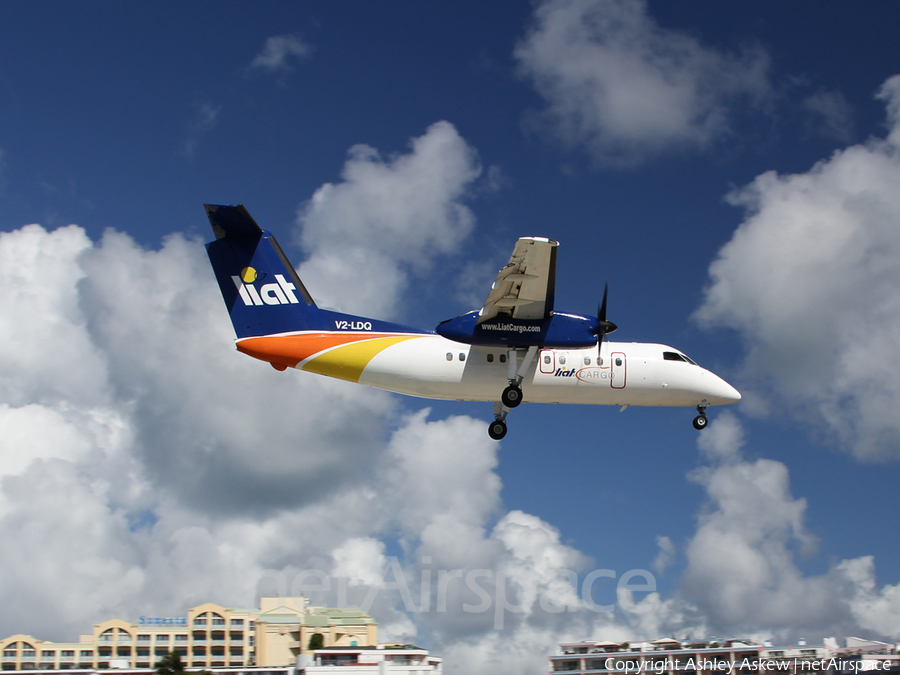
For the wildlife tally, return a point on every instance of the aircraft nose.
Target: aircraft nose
(720, 392)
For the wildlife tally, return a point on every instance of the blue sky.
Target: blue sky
(728, 169)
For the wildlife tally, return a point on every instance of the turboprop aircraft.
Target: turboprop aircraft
(514, 349)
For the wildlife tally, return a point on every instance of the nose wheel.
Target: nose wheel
(701, 420)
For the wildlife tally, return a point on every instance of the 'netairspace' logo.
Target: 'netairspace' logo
(281, 292)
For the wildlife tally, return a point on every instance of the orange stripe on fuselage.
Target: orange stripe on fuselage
(289, 350)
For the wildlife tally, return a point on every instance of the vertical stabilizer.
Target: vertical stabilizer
(261, 289)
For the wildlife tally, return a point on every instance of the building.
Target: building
(380, 660)
(210, 636)
(668, 656)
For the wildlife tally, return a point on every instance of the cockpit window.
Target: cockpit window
(675, 356)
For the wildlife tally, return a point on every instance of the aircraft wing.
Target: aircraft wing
(524, 288)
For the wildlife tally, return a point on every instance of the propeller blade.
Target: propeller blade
(604, 326)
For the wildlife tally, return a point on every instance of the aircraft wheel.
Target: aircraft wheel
(700, 422)
(497, 429)
(511, 396)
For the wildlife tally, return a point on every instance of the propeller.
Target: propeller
(604, 326)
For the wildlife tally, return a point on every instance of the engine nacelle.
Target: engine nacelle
(564, 331)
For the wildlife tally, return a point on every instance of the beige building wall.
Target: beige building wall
(209, 636)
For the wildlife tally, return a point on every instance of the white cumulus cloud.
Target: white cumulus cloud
(387, 220)
(278, 52)
(625, 88)
(809, 280)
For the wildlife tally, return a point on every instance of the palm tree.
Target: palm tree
(170, 664)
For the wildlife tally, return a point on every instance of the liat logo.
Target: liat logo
(280, 292)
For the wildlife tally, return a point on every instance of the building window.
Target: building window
(199, 622)
(68, 653)
(87, 655)
(181, 638)
(162, 638)
(143, 638)
(47, 654)
(237, 622)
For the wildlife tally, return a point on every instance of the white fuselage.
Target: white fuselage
(618, 373)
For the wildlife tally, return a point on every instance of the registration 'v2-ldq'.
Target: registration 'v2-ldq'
(514, 349)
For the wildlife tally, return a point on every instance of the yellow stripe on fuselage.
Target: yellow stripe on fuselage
(349, 361)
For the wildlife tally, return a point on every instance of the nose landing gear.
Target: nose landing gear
(701, 420)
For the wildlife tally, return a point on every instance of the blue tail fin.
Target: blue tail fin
(261, 289)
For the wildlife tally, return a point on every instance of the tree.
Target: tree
(170, 664)
(316, 641)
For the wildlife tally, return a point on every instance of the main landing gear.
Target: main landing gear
(497, 428)
(701, 420)
(512, 395)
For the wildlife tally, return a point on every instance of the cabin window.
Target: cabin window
(547, 358)
(490, 358)
(462, 357)
(599, 360)
(672, 356)
(503, 358)
(587, 360)
(618, 361)
(562, 359)
(449, 356)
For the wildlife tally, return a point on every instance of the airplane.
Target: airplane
(515, 349)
